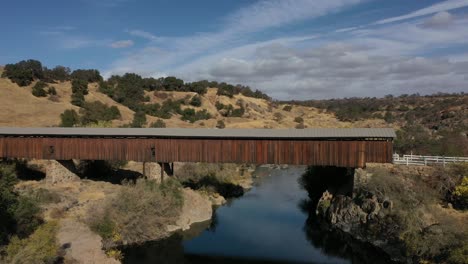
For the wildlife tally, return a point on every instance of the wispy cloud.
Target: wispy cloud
(143, 34)
(122, 44)
(372, 60)
(439, 7)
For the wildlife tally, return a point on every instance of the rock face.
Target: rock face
(365, 217)
(196, 208)
(60, 171)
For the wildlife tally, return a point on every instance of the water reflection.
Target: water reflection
(270, 224)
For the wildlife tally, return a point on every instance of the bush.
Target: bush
(139, 212)
(220, 124)
(19, 215)
(158, 124)
(38, 89)
(40, 247)
(196, 101)
(24, 73)
(87, 76)
(298, 119)
(77, 99)
(287, 108)
(460, 194)
(69, 118)
(80, 86)
(139, 119)
(189, 114)
(51, 91)
(96, 111)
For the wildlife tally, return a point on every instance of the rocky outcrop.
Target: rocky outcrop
(197, 208)
(363, 219)
(60, 171)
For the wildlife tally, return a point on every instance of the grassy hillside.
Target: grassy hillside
(18, 107)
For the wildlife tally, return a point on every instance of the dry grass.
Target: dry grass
(18, 107)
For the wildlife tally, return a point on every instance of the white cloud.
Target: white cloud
(358, 61)
(142, 34)
(121, 44)
(439, 7)
(440, 20)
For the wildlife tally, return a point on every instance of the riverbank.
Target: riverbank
(403, 211)
(83, 209)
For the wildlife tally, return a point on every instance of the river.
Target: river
(266, 225)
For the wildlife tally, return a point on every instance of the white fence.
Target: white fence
(426, 160)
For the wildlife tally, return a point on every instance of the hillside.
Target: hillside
(18, 107)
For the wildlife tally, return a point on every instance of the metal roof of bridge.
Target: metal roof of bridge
(204, 132)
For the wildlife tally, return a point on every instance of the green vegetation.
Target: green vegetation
(38, 89)
(212, 178)
(287, 108)
(87, 76)
(24, 72)
(19, 215)
(220, 124)
(23, 236)
(97, 111)
(140, 211)
(189, 114)
(40, 247)
(79, 90)
(229, 110)
(196, 101)
(139, 119)
(69, 118)
(415, 221)
(430, 125)
(299, 119)
(93, 113)
(158, 124)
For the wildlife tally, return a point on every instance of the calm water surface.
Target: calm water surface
(266, 225)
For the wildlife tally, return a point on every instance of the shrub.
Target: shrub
(51, 91)
(19, 215)
(40, 247)
(220, 124)
(24, 73)
(287, 108)
(300, 126)
(298, 119)
(461, 194)
(278, 116)
(80, 86)
(77, 99)
(96, 111)
(38, 89)
(158, 124)
(139, 119)
(69, 118)
(189, 114)
(196, 101)
(87, 75)
(139, 212)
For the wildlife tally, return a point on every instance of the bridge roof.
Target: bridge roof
(308, 133)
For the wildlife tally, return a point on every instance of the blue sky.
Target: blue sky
(291, 49)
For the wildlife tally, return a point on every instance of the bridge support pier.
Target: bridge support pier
(168, 168)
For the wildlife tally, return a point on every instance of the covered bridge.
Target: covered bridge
(343, 147)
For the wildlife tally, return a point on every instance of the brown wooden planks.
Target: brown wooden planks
(345, 153)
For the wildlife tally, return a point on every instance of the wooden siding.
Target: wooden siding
(351, 153)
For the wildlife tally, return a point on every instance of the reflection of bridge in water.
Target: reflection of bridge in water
(341, 147)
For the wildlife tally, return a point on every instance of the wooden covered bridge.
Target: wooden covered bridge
(342, 147)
